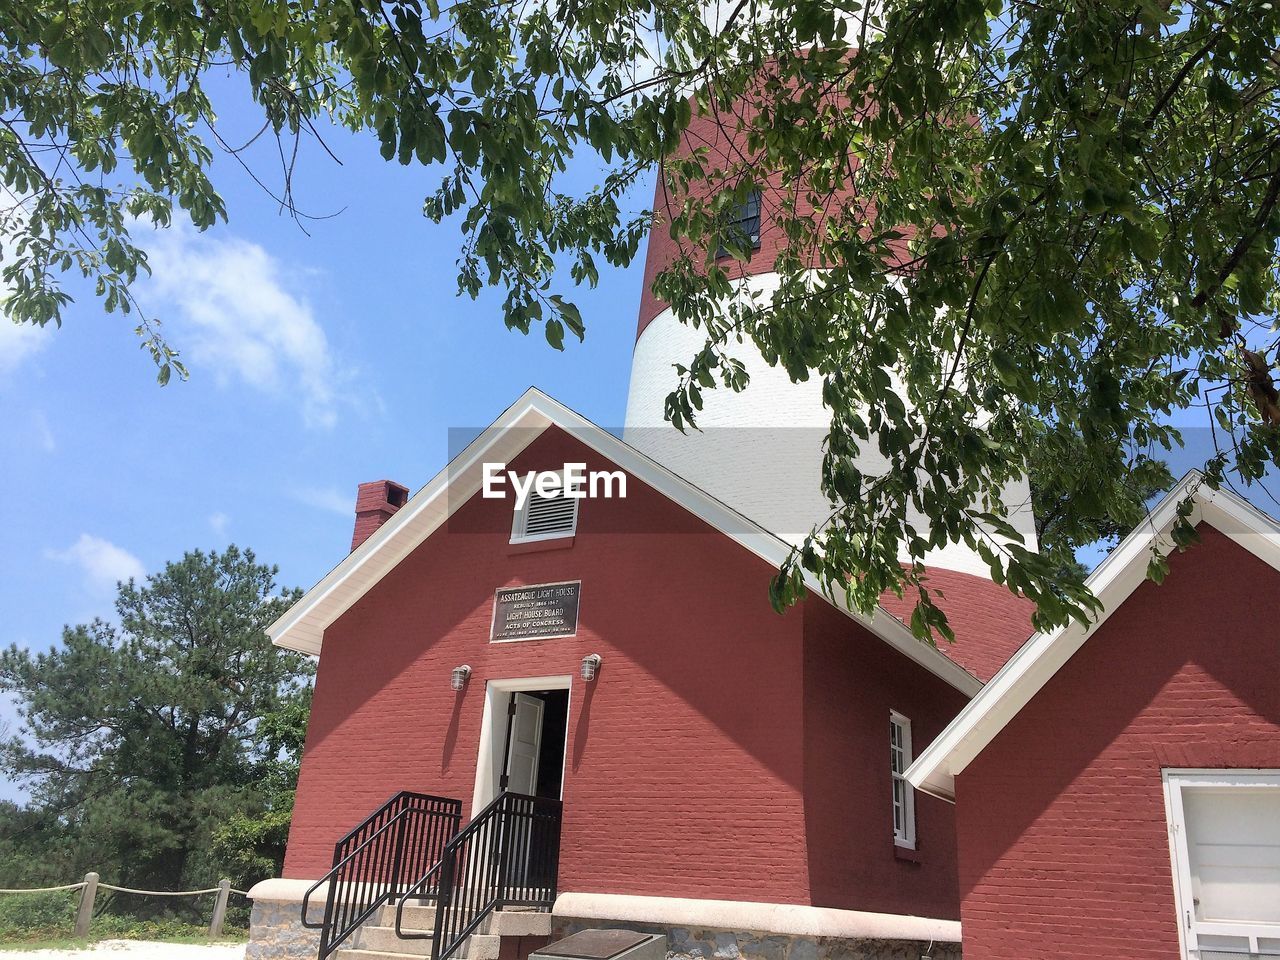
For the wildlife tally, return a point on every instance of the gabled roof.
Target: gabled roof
(302, 627)
(1123, 571)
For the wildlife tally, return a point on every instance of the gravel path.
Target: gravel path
(137, 950)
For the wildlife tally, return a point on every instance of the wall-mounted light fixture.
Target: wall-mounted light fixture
(458, 679)
(590, 665)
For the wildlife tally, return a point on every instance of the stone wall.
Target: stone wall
(703, 943)
(276, 931)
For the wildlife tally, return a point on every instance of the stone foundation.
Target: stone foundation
(276, 931)
(695, 929)
(703, 943)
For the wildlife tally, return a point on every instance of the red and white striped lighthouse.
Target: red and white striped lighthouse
(759, 451)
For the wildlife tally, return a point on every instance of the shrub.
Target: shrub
(30, 917)
(37, 916)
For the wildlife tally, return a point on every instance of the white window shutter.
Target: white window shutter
(545, 518)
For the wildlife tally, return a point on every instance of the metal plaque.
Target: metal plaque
(537, 612)
(595, 944)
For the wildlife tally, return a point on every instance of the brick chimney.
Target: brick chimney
(375, 503)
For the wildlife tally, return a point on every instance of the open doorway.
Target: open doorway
(523, 738)
(533, 756)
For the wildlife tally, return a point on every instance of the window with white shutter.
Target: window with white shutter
(545, 518)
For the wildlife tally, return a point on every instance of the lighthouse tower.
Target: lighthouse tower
(760, 451)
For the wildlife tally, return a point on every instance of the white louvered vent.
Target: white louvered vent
(545, 518)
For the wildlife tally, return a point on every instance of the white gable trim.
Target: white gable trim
(1122, 572)
(302, 627)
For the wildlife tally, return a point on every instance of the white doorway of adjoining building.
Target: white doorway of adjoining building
(1224, 833)
(523, 739)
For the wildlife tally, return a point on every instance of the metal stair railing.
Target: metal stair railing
(508, 855)
(371, 864)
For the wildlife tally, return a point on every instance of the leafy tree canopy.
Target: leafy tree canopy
(144, 738)
(1040, 230)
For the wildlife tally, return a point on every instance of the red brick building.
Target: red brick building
(729, 775)
(727, 768)
(1117, 788)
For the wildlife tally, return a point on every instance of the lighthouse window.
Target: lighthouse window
(744, 223)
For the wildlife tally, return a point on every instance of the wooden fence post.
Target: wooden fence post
(88, 893)
(219, 909)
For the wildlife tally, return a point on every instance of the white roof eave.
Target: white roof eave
(1115, 579)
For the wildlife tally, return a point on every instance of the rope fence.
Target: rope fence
(65, 886)
(91, 884)
(163, 893)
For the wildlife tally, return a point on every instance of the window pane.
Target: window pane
(1227, 948)
(749, 217)
(1233, 841)
(899, 760)
(743, 223)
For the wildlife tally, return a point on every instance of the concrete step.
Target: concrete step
(481, 946)
(381, 943)
(385, 940)
(414, 918)
(519, 923)
(504, 923)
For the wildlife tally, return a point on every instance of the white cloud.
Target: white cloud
(326, 498)
(239, 319)
(43, 432)
(101, 561)
(19, 342)
(218, 522)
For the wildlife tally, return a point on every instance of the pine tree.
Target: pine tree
(144, 735)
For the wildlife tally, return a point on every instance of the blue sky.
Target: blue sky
(317, 362)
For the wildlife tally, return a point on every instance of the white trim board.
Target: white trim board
(1122, 572)
(785, 919)
(302, 626)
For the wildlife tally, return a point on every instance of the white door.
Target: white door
(525, 744)
(1225, 827)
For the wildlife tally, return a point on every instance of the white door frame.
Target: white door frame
(493, 733)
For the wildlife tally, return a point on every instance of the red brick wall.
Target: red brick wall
(1063, 845)
(852, 681)
(691, 767)
(724, 135)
